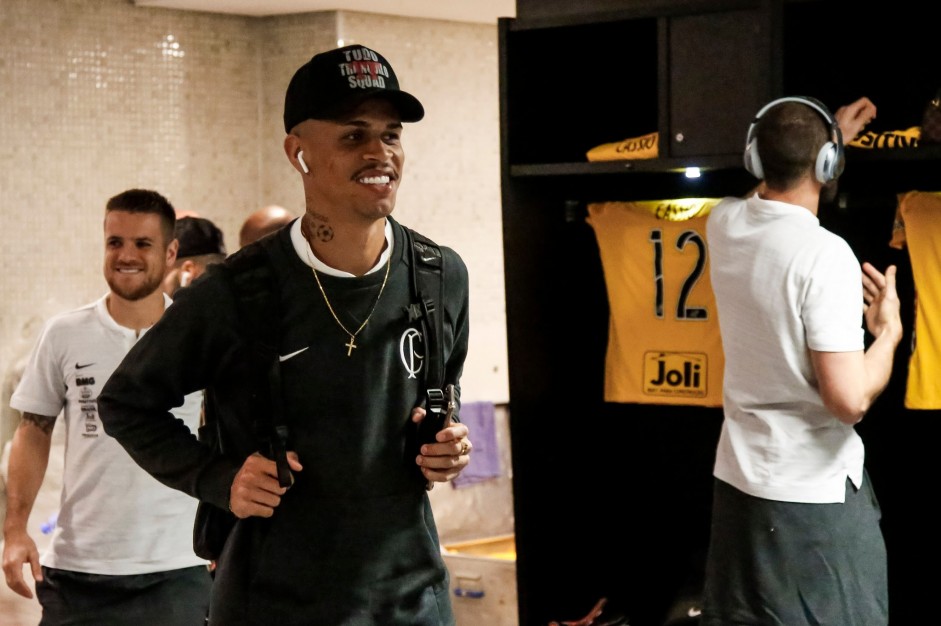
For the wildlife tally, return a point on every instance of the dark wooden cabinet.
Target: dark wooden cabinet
(612, 500)
(716, 78)
(571, 83)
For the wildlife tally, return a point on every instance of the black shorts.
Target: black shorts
(174, 598)
(790, 563)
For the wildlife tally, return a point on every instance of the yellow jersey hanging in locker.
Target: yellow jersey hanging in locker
(918, 227)
(664, 345)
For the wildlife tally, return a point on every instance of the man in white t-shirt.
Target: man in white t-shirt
(121, 552)
(795, 524)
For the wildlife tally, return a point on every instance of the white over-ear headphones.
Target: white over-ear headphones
(829, 164)
(300, 159)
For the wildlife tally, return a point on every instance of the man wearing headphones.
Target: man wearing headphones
(795, 533)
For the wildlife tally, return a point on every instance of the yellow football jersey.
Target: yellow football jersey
(918, 227)
(664, 345)
(903, 138)
(633, 148)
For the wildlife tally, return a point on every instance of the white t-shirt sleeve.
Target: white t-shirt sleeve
(41, 389)
(832, 310)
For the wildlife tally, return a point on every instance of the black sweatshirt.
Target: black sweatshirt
(353, 540)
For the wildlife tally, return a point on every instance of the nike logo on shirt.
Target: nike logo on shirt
(78, 366)
(284, 358)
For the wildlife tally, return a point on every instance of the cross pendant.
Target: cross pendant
(350, 345)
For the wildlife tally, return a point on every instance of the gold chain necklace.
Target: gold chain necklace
(352, 343)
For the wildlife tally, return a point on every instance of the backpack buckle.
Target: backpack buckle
(436, 401)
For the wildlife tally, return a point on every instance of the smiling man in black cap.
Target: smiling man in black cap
(353, 539)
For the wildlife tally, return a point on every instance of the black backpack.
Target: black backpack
(254, 285)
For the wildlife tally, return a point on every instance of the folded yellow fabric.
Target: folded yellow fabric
(907, 138)
(674, 210)
(643, 147)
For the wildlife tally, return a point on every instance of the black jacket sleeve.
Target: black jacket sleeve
(189, 349)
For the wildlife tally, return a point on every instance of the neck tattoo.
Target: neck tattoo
(352, 342)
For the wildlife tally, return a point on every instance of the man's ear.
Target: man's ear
(292, 145)
(190, 268)
(171, 252)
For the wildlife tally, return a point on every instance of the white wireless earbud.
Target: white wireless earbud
(300, 159)
(185, 278)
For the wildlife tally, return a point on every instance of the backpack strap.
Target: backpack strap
(427, 267)
(254, 285)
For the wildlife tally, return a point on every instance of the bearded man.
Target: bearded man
(121, 551)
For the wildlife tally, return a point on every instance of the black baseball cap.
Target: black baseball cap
(333, 82)
(198, 236)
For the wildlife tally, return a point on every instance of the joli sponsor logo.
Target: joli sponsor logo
(676, 374)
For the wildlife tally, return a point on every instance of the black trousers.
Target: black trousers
(173, 598)
(776, 563)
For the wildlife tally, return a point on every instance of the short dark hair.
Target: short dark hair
(789, 137)
(197, 237)
(146, 201)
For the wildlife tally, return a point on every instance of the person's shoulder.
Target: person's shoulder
(248, 257)
(67, 320)
(451, 259)
(59, 330)
(209, 292)
(453, 266)
(731, 201)
(721, 209)
(829, 240)
(269, 251)
(255, 269)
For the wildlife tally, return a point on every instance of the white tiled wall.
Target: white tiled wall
(97, 96)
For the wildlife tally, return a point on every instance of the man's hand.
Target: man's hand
(29, 457)
(18, 550)
(881, 302)
(255, 490)
(448, 456)
(853, 117)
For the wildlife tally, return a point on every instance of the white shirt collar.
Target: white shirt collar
(305, 254)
